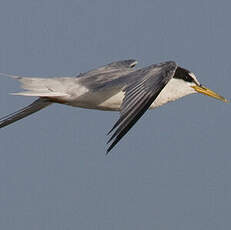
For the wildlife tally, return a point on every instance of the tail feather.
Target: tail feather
(24, 112)
(43, 87)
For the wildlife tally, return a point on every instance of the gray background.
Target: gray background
(172, 171)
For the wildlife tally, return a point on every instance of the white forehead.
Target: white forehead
(194, 77)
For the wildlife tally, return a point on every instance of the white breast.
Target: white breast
(175, 89)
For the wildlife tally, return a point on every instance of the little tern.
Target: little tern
(117, 86)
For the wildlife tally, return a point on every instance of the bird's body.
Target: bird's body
(114, 87)
(103, 100)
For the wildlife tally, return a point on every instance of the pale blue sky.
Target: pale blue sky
(172, 171)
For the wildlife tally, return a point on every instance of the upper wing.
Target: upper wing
(114, 66)
(139, 95)
(100, 77)
(124, 64)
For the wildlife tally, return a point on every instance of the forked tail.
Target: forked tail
(24, 112)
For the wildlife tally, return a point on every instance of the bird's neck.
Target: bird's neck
(175, 89)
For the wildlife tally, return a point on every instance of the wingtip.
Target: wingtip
(108, 150)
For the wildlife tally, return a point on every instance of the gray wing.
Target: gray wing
(99, 78)
(113, 66)
(139, 95)
(24, 112)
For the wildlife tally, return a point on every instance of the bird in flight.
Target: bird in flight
(117, 86)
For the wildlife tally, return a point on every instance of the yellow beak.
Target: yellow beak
(208, 92)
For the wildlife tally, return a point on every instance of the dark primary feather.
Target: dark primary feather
(26, 111)
(139, 95)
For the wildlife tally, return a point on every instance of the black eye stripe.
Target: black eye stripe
(183, 74)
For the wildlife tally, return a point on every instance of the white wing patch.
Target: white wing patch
(194, 78)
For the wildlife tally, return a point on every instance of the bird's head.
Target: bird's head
(193, 85)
